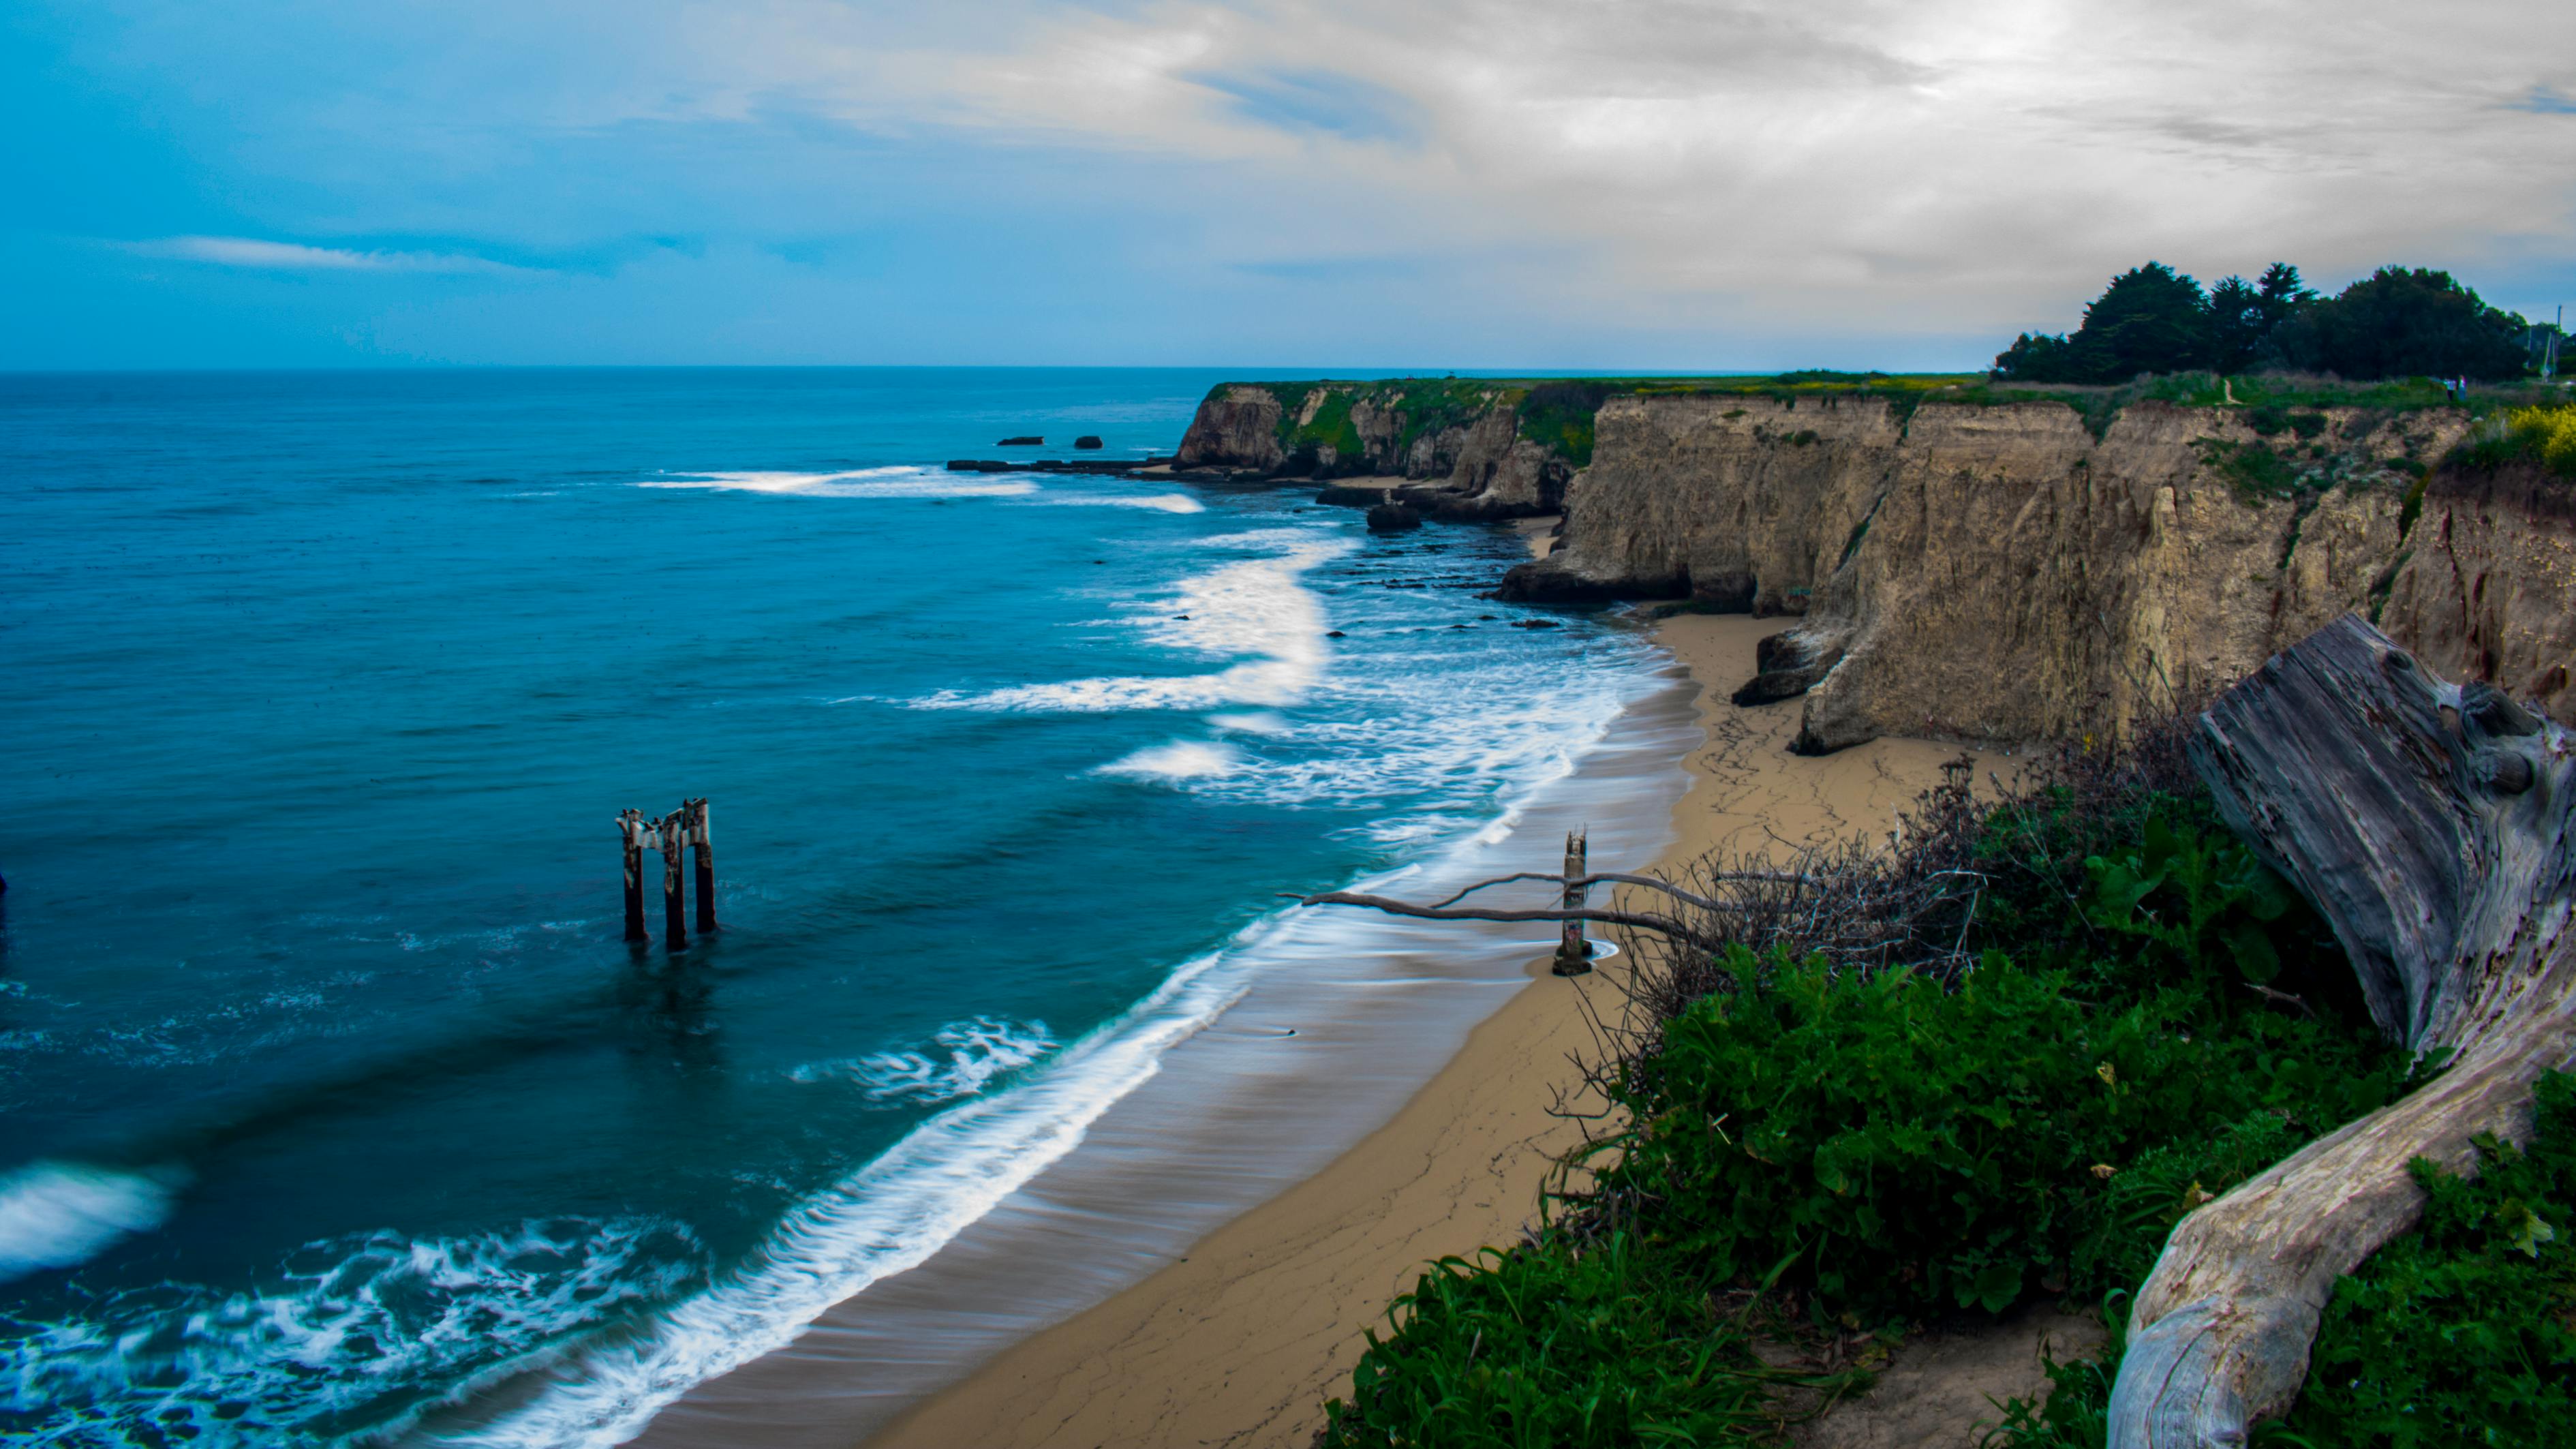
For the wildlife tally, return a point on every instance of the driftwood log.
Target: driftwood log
(2429, 825)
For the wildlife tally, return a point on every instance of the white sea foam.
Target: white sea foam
(897, 1211)
(959, 1060)
(55, 1214)
(1158, 502)
(1179, 760)
(889, 1216)
(353, 1339)
(1257, 607)
(902, 482)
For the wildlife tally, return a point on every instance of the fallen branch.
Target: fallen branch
(2430, 825)
(1644, 921)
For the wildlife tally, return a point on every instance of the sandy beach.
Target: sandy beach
(1240, 1342)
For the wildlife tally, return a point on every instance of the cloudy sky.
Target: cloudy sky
(1650, 184)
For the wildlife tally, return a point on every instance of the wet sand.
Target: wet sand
(1240, 1342)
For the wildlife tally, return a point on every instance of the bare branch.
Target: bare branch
(1644, 921)
(1622, 878)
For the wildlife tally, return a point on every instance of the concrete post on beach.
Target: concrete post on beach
(630, 835)
(705, 848)
(1573, 951)
(675, 918)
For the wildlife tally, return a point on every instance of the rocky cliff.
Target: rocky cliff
(2002, 573)
(1467, 449)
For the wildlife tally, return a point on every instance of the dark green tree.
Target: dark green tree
(2236, 324)
(2150, 319)
(2281, 293)
(2405, 322)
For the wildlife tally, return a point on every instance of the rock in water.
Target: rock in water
(1393, 518)
(1028, 442)
(1088, 440)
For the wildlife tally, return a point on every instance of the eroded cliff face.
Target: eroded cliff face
(1235, 427)
(2488, 572)
(1457, 445)
(1998, 573)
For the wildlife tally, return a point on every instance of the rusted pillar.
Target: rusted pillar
(706, 860)
(1573, 951)
(630, 836)
(675, 917)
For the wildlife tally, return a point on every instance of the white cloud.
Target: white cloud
(276, 256)
(1886, 171)
(1976, 162)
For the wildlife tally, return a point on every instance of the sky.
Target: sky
(1544, 184)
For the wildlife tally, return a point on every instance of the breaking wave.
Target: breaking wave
(351, 1340)
(960, 1060)
(56, 1214)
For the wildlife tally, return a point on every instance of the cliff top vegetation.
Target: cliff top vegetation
(2397, 322)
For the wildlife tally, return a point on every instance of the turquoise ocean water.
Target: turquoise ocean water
(333, 1106)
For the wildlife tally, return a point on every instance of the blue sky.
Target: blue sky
(1650, 184)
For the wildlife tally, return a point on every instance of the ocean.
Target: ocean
(333, 1105)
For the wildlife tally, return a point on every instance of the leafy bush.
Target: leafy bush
(1918, 1149)
(1559, 415)
(2463, 1332)
(2545, 435)
(1541, 1347)
(1872, 1146)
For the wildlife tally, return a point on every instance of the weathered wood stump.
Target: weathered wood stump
(630, 834)
(1573, 947)
(675, 920)
(702, 842)
(2429, 824)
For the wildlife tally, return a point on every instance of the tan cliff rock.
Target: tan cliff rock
(1475, 465)
(1235, 427)
(1998, 573)
(2483, 591)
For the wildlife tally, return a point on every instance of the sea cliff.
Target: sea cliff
(1987, 569)
(1464, 449)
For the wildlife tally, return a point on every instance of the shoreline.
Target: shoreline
(1241, 1340)
(1333, 1020)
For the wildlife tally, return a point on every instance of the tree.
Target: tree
(2150, 319)
(2237, 324)
(2281, 293)
(2036, 357)
(2405, 322)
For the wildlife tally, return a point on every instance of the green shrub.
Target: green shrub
(2543, 435)
(1559, 415)
(2463, 1332)
(1538, 1346)
(1859, 1150)
(1921, 1149)
(2460, 1333)
(2254, 468)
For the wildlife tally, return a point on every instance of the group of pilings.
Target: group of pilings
(682, 829)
